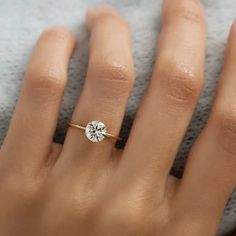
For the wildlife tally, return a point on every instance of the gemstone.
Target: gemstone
(95, 131)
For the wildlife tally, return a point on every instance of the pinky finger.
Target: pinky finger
(210, 175)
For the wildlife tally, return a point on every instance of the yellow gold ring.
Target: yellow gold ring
(95, 131)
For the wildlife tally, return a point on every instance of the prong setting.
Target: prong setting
(95, 131)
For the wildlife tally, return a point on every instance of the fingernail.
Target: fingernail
(104, 7)
(90, 15)
(90, 11)
(234, 25)
(95, 11)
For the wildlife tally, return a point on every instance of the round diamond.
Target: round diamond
(95, 131)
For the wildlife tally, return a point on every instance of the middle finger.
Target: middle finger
(170, 100)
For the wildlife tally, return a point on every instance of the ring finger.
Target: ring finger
(107, 86)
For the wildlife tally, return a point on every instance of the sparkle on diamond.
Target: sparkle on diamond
(95, 131)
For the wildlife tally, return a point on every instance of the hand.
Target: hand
(84, 188)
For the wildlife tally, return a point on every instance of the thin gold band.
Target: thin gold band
(107, 134)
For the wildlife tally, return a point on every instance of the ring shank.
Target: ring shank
(77, 126)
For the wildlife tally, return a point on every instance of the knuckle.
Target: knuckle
(46, 85)
(116, 71)
(180, 83)
(49, 81)
(115, 75)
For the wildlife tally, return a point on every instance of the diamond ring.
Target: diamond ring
(95, 131)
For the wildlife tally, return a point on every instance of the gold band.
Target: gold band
(108, 135)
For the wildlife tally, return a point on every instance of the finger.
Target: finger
(169, 102)
(212, 162)
(32, 128)
(107, 86)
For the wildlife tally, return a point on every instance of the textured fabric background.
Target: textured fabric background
(21, 22)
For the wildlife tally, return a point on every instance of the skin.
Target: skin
(82, 188)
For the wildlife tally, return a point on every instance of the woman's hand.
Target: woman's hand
(91, 189)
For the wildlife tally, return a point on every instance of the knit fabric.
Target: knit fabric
(23, 20)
